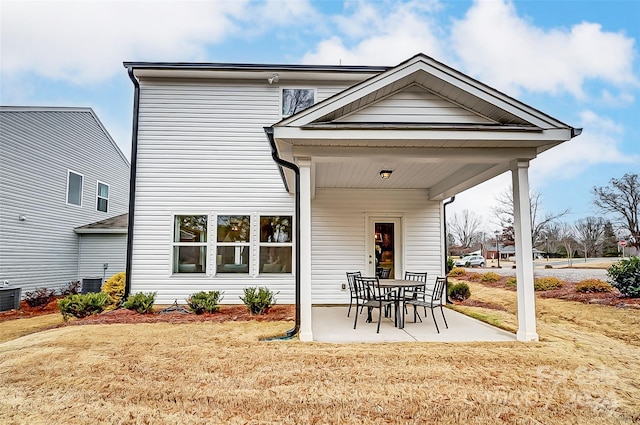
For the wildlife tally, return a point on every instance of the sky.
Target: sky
(577, 61)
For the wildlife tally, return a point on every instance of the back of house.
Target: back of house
(59, 169)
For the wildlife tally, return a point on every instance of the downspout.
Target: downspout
(290, 165)
(446, 257)
(132, 180)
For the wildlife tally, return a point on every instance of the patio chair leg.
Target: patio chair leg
(434, 320)
(445, 319)
(349, 312)
(379, 318)
(355, 322)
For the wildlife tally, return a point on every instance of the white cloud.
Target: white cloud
(511, 53)
(381, 33)
(88, 41)
(599, 143)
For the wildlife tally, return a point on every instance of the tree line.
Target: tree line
(587, 237)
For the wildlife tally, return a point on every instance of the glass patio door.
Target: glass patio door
(385, 247)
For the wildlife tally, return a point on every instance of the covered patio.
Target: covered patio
(397, 146)
(331, 324)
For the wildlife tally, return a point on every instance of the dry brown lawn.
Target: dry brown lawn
(584, 371)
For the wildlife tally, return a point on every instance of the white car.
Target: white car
(471, 260)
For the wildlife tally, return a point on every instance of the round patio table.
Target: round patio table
(401, 285)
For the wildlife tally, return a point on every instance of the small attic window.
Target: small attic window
(295, 100)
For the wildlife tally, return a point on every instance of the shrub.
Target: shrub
(451, 263)
(204, 302)
(457, 271)
(547, 283)
(473, 277)
(82, 305)
(625, 275)
(459, 291)
(258, 300)
(140, 302)
(511, 282)
(490, 277)
(71, 288)
(40, 297)
(114, 287)
(593, 285)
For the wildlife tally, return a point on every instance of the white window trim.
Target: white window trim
(283, 88)
(98, 197)
(69, 171)
(173, 244)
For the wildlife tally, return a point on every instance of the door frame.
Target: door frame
(398, 241)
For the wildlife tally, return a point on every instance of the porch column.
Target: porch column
(524, 251)
(306, 332)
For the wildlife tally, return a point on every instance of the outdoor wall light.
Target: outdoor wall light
(273, 79)
(385, 174)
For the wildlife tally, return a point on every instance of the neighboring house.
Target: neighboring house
(59, 169)
(288, 176)
(103, 248)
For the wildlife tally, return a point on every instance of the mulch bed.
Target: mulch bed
(227, 313)
(566, 292)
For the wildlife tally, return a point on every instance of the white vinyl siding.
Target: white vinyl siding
(339, 223)
(416, 105)
(98, 249)
(37, 148)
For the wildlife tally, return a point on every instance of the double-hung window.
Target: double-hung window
(275, 244)
(102, 197)
(190, 244)
(233, 244)
(74, 188)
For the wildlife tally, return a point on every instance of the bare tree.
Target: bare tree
(466, 227)
(552, 237)
(589, 234)
(622, 198)
(504, 211)
(567, 239)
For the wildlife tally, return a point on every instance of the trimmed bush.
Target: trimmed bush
(625, 276)
(40, 297)
(141, 302)
(547, 283)
(459, 291)
(511, 282)
(258, 300)
(83, 305)
(490, 277)
(451, 263)
(204, 302)
(114, 287)
(457, 271)
(71, 288)
(593, 285)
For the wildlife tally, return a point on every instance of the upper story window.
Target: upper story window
(296, 100)
(233, 244)
(102, 197)
(190, 244)
(74, 188)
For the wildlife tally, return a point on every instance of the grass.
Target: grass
(583, 372)
(13, 329)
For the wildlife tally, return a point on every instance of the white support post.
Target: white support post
(306, 330)
(524, 252)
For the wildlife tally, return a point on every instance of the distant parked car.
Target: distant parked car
(471, 260)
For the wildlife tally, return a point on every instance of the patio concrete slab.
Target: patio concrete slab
(331, 324)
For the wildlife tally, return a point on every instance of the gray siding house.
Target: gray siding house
(59, 170)
(288, 176)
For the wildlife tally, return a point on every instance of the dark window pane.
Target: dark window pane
(103, 190)
(74, 192)
(190, 228)
(296, 100)
(102, 204)
(190, 259)
(234, 228)
(232, 259)
(275, 259)
(275, 228)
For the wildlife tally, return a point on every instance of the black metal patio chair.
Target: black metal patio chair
(352, 288)
(376, 297)
(432, 299)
